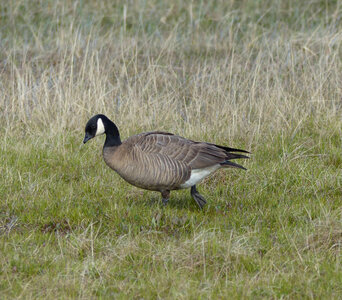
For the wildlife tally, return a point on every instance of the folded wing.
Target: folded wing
(195, 155)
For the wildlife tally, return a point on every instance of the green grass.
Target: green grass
(70, 227)
(259, 75)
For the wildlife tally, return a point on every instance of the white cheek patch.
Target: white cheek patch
(100, 127)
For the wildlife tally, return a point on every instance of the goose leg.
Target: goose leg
(165, 196)
(197, 197)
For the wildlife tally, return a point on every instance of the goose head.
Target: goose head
(100, 124)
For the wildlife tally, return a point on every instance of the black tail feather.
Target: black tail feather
(231, 149)
(232, 164)
(236, 156)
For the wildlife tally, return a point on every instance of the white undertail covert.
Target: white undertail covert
(198, 174)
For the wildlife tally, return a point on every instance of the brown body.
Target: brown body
(160, 161)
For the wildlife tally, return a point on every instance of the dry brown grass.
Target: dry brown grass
(224, 82)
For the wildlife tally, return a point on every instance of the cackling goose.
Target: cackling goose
(161, 161)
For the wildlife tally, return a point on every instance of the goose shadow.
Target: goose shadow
(179, 202)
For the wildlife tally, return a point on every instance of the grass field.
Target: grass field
(264, 76)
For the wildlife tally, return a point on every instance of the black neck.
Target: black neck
(112, 134)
